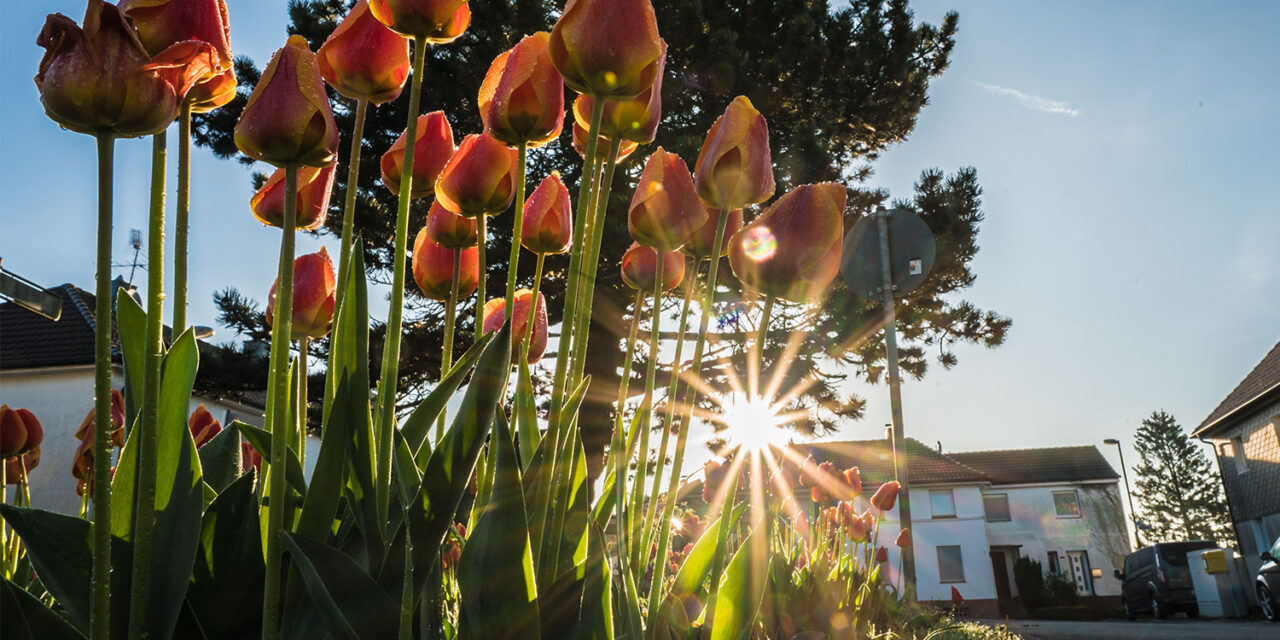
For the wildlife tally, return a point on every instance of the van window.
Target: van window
(1175, 554)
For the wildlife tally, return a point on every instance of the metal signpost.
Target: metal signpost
(887, 254)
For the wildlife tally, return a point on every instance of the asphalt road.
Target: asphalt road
(1143, 629)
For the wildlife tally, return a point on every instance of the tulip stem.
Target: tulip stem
(646, 409)
(517, 229)
(756, 361)
(100, 613)
(181, 223)
(528, 326)
(450, 321)
(395, 320)
(482, 239)
(144, 509)
(348, 233)
(587, 287)
(619, 446)
(304, 345)
(278, 407)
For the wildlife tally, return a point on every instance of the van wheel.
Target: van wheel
(1269, 608)
(1129, 613)
(1156, 609)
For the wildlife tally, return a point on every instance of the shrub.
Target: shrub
(1060, 589)
(1028, 574)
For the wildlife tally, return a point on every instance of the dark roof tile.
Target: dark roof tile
(1046, 464)
(1263, 378)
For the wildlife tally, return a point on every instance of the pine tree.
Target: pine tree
(1179, 493)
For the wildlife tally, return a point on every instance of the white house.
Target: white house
(973, 514)
(47, 366)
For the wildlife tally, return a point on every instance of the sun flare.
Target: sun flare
(752, 422)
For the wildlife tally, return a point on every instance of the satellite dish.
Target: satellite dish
(912, 251)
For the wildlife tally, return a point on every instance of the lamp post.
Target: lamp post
(1133, 515)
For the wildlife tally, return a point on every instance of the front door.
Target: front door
(1079, 564)
(1000, 569)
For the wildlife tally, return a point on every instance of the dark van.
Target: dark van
(1157, 579)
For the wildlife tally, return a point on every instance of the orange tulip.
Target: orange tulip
(886, 496)
(792, 250)
(607, 48)
(853, 480)
(20, 431)
(548, 219)
(99, 78)
(313, 296)
(364, 60)
(287, 119)
(904, 539)
(250, 458)
(437, 21)
(449, 229)
(713, 474)
(433, 268)
(734, 169)
(665, 210)
(480, 177)
(202, 425)
(522, 96)
(816, 494)
(882, 555)
(17, 467)
(163, 23)
(602, 145)
(640, 266)
(495, 314)
(82, 460)
(636, 119)
(432, 148)
(699, 245)
(85, 432)
(314, 186)
(956, 598)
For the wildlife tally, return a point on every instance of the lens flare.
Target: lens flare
(759, 244)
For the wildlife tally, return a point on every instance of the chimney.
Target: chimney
(939, 446)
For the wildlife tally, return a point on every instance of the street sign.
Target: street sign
(911, 254)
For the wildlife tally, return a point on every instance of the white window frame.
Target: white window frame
(1007, 511)
(959, 563)
(1237, 450)
(1075, 497)
(933, 512)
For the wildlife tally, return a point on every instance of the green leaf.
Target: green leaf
(419, 423)
(220, 459)
(526, 415)
(131, 324)
(60, 550)
(225, 593)
(26, 618)
(629, 599)
(596, 622)
(349, 344)
(574, 533)
(354, 604)
(260, 439)
(123, 486)
(741, 590)
(495, 574)
(694, 570)
(349, 409)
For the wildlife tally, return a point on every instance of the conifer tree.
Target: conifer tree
(1179, 493)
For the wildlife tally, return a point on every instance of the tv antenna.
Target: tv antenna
(135, 240)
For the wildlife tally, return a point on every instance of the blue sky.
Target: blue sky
(1127, 151)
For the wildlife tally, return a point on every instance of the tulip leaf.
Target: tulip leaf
(349, 342)
(260, 439)
(60, 550)
(122, 488)
(526, 415)
(350, 407)
(537, 488)
(419, 423)
(741, 590)
(574, 533)
(26, 618)
(220, 459)
(628, 598)
(596, 622)
(225, 593)
(351, 600)
(693, 571)
(495, 573)
(131, 325)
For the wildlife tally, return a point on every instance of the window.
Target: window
(1053, 562)
(950, 564)
(1237, 450)
(997, 507)
(942, 503)
(1065, 504)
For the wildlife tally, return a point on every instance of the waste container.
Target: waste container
(1218, 582)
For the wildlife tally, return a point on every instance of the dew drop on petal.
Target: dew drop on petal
(759, 244)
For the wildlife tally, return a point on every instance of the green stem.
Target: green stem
(722, 546)
(406, 584)
(181, 222)
(144, 524)
(395, 320)
(516, 230)
(450, 321)
(100, 612)
(304, 345)
(348, 233)
(482, 240)
(646, 405)
(619, 446)
(587, 287)
(277, 407)
(757, 361)
(528, 326)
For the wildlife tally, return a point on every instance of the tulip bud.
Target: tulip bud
(314, 186)
(816, 494)
(99, 78)
(163, 23)
(904, 539)
(480, 177)
(635, 120)
(433, 268)
(436, 21)
(792, 250)
(853, 480)
(202, 425)
(449, 229)
(800, 523)
(287, 119)
(250, 458)
(602, 145)
(607, 48)
(886, 496)
(713, 474)
(665, 211)
(431, 150)
(640, 266)
(82, 460)
(699, 244)
(882, 555)
(495, 314)
(17, 467)
(956, 598)
(20, 431)
(364, 60)
(522, 96)
(734, 168)
(548, 221)
(313, 296)
(86, 430)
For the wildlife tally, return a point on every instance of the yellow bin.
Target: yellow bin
(1215, 561)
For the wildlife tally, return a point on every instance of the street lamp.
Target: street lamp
(1137, 539)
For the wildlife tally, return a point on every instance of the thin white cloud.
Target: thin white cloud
(1056, 107)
